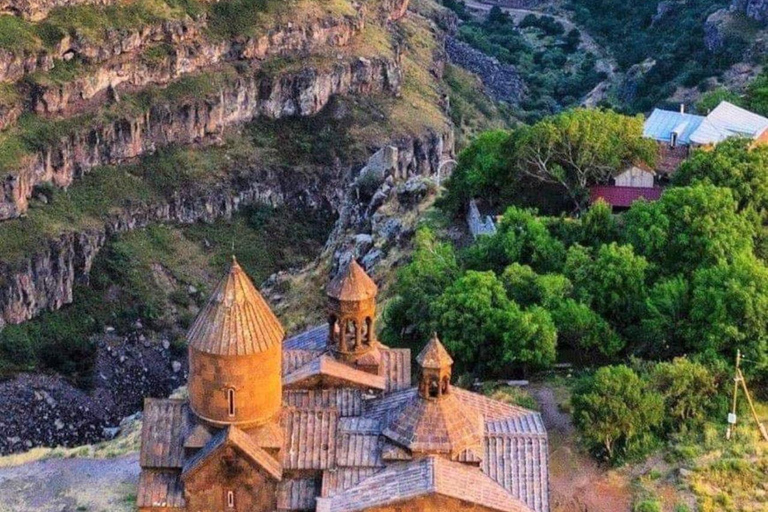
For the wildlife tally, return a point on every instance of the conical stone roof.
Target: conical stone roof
(236, 320)
(434, 356)
(352, 285)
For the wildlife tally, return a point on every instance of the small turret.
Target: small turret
(351, 313)
(436, 365)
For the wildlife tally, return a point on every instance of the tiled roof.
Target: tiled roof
(315, 338)
(623, 197)
(326, 371)
(497, 411)
(162, 433)
(159, 488)
(358, 443)
(520, 465)
(295, 359)
(396, 368)
(341, 479)
(352, 285)
(236, 320)
(389, 406)
(434, 356)
(233, 436)
(269, 435)
(310, 438)
(297, 493)
(348, 402)
(427, 476)
(436, 426)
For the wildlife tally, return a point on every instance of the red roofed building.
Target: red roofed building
(329, 420)
(621, 198)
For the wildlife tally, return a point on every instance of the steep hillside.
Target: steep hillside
(144, 142)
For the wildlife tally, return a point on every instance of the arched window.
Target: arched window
(351, 334)
(434, 388)
(368, 330)
(230, 499)
(444, 385)
(231, 401)
(333, 329)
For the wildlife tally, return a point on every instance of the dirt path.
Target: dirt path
(69, 485)
(578, 483)
(605, 61)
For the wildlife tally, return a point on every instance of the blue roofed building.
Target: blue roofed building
(678, 132)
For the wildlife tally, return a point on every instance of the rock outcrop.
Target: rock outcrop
(241, 98)
(755, 9)
(36, 10)
(188, 49)
(45, 280)
(502, 81)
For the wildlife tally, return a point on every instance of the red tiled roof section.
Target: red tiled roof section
(436, 426)
(427, 476)
(352, 285)
(236, 320)
(623, 197)
(162, 434)
(434, 356)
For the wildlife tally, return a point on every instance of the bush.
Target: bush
(16, 347)
(651, 505)
(688, 389)
(617, 413)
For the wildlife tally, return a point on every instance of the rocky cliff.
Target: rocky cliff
(238, 97)
(755, 9)
(45, 280)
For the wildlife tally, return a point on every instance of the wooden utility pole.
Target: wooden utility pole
(740, 381)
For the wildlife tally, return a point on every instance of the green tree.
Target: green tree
(581, 329)
(432, 269)
(712, 99)
(688, 389)
(665, 322)
(581, 147)
(488, 332)
(527, 288)
(733, 164)
(616, 412)
(522, 237)
(16, 347)
(598, 225)
(613, 283)
(729, 307)
(689, 227)
(480, 170)
(757, 94)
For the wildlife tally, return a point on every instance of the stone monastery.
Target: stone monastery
(329, 420)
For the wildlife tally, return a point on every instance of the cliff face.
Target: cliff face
(45, 280)
(301, 93)
(755, 9)
(190, 50)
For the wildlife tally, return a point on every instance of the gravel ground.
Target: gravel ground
(69, 485)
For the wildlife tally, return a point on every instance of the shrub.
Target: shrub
(617, 413)
(688, 389)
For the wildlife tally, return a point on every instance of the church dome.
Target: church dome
(235, 356)
(236, 320)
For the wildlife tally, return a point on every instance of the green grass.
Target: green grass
(17, 35)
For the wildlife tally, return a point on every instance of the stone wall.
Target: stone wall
(502, 81)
